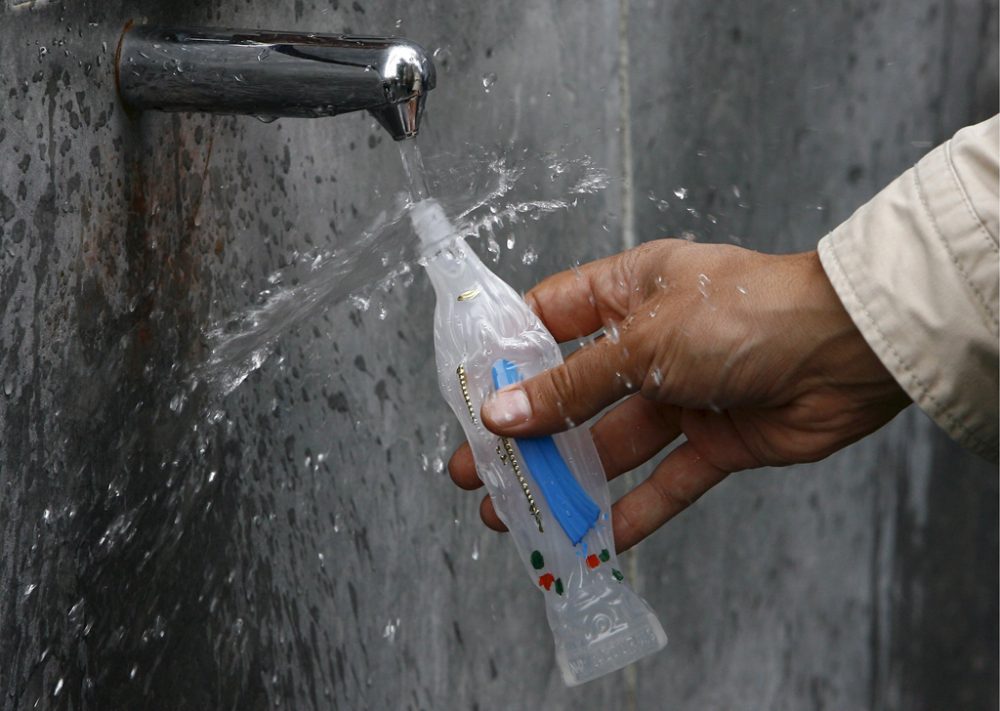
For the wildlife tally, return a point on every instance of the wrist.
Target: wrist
(830, 344)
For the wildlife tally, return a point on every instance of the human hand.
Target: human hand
(750, 356)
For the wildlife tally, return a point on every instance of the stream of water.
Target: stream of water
(479, 195)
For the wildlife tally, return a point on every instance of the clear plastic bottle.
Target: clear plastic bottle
(551, 492)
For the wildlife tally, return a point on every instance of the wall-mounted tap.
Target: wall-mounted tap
(273, 74)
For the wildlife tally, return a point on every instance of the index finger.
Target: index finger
(579, 301)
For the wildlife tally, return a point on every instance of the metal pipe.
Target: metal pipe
(274, 74)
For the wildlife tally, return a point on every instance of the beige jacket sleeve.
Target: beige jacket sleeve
(918, 269)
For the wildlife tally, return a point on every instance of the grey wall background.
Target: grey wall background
(287, 546)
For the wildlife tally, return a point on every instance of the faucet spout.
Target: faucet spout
(274, 74)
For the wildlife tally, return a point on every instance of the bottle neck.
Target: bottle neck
(453, 267)
(431, 225)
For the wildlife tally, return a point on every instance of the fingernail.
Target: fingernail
(508, 407)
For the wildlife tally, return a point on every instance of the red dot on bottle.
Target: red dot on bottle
(593, 561)
(546, 581)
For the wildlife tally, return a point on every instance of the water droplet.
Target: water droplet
(42, 51)
(530, 256)
(493, 247)
(661, 205)
(390, 629)
(657, 377)
(681, 193)
(361, 303)
(177, 401)
(442, 58)
(741, 289)
(133, 671)
(30, 588)
(489, 79)
(510, 242)
(703, 285)
(612, 332)
(8, 388)
(736, 192)
(59, 686)
(475, 550)
(399, 23)
(266, 119)
(211, 476)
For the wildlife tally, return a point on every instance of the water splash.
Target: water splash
(480, 197)
(390, 629)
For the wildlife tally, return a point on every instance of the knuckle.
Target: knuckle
(562, 390)
(672, 500)
(627, 531)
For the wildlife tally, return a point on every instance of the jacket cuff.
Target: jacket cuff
(917, 272)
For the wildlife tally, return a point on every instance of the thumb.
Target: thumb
(561, 398)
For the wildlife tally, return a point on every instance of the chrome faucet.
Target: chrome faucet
(273, 74)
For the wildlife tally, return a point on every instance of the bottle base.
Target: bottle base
(640, 637)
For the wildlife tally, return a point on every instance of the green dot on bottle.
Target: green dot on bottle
(559, 586)
(618, 574)
(537, 560)
(605, 555)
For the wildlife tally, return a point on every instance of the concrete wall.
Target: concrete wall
(166, 549)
